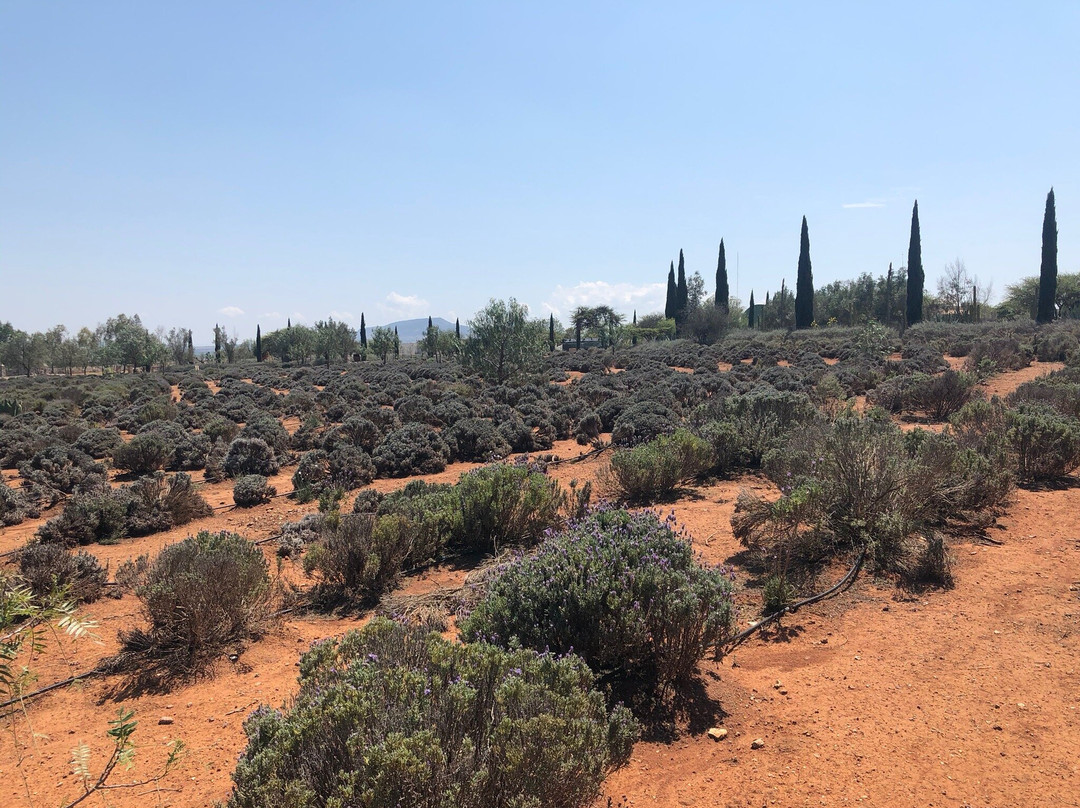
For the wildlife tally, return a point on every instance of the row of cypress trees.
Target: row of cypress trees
(916, 277)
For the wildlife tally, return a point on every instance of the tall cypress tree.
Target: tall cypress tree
(429, 323)
(750, 311)
(633, 340)
(683, 292)
(397, 343)
(888, 296)
(258, 343)
(915, 277)
(363, 338)
(804, 282)
(722, 290)
(672, 301)
(457, 327)
(551, 331)
(217, 343)
(1048, 269)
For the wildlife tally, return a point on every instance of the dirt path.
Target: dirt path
(1004, 383)
(958, 698)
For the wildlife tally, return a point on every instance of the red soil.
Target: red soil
(952, 698)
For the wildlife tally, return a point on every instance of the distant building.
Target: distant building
(571, 344)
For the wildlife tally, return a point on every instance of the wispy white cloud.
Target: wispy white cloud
(346, 316)
(863, 205)
(646, 297)
(231, 311)
(402, 307)
(273, 315)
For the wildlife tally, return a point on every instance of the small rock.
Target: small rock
(165, 719)
(783, 691)
(757, 743)
(777, 684)
(717, 733)
(824, 640)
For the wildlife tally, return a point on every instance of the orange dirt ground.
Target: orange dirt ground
(966, 697)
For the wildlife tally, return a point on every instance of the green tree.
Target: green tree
(503, 342)
(54, 339)
(217, 343)
(176, 342)
(258, 343)
(804, 282)
(671, 304)
(1022, 297)
(551, 331)
(1048, 269)
(334, 340)
(723, 292)
(25, 352)
(363, 338)
(682, 294)
(915, 276)
(124, 341)
(751, 313)
(607, 321)
(382, 342)
(695, 293)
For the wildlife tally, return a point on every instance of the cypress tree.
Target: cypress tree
(363, 338)
(683, 292)
(672, 294)
(722, 290)
(397, 343)
(1048, 269)
(750, 311)
(258, 343)
(457, 327)
(888, 296)
(217, 343)
(633, 340)
(804, 282)
(429, 323)
(288, 322)
(915, 277)
(551, 332)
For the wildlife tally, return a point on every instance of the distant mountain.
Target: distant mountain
(413, 330)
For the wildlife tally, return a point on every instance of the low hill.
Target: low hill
(413, 330)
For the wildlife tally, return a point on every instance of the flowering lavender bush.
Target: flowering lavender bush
(622, 590)
(392, 715)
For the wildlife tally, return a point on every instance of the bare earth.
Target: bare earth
(966, 697)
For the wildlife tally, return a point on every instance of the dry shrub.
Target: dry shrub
(47, 568)
(202, 596)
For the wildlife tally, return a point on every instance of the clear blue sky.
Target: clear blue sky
(244, 162)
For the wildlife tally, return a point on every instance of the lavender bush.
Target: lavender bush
(622, 590)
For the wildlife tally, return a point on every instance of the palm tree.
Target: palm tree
(583, 317)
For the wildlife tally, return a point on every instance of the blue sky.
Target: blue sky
(246, 162)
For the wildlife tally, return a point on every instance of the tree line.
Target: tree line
(897, 298)
(505, 340)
